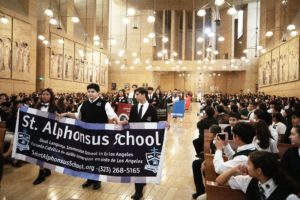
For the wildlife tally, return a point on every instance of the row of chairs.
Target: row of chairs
(215, 191)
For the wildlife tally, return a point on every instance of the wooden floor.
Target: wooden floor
(177, 182)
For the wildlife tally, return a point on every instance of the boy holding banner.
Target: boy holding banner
(142, 112)
(94, 110)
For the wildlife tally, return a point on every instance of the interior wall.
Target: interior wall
(27, 13)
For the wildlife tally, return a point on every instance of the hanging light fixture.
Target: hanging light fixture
(151, 19)
(219, 2)
(4, 20)
(131, 12)
(231, 11)
(221, 39)
(75, 19)
(269, 34)
(48, 12)
(201, 12)
(291, 27)
(53, 21)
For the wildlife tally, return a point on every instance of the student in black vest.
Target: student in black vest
(94, 110)
(142, 112)
(150, 95)
(243, 134)
(262, 179)
(46, 104)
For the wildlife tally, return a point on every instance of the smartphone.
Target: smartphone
(222, 136)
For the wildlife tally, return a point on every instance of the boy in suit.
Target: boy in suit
(142, 112)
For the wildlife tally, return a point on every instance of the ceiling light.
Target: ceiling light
(210, 68)
(60, 41)
(175, 54)
(165, 39)
(224, 67)
(294, 33)
(151, 19)
(207, 30)
(291, 27)
(199, 52)
(180, 62)
(106, 61)
(157, 67)
(211, 34)
(41, 37)
(219, 74)
(131, 67)
(96, 38)
(199, 61)
(245, 51)
(117, 62)
(122, 66)
(206, 59)
(269, 34)
(4, 20)
(96, 42)
(165, 51)
(263, 51)
(219, 2)
(167, 62)
(147, 61)
(134, 54)
(46, 42)
(201, 13)
(212, 61)
(216, 52)
(48, 12)
(204, 67)
(172, 60)
(151, 35)
(113, 41)
(221, 39)
(75, 19)
(200, 39)
(232, 60)
(146, 40)
(208, 49)
(131, 12)
(159, 54)
(53, 21)
(126, 20)
(247, 60)
(243, 58)
(259, 47)
(198, 68)
(231, 11)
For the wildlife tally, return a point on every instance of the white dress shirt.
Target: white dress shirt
(274, 133)
(108, 109)
(271, 148)
(45, 107)
(145, 107)
(241, 182)
(279, 127)
(221, 166)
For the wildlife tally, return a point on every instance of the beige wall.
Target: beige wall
(29, 15)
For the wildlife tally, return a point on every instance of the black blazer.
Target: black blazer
(149, 116)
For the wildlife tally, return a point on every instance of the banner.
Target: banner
(104, 152)
(162, 114)
(124, 111)
(178, 109)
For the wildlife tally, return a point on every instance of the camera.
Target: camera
(222, 136)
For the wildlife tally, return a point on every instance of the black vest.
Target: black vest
(243, 153)
(252, 192)
(94, 112)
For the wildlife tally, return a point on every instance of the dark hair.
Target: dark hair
(278, 116)
(94, 86)
(296, 113)
(215, 129)
(245, 131)
(142, 90)
(150, 88)
(264, 116)
(263, 134)
(16, 102)
(52, 97)
(209, 111)
(220, 109)
(134, 85)
(269, 165)
(26, 99)
(234, 108)
(262, 107)
(234, 115)
(60, 104)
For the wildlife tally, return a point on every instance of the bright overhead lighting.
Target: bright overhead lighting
(269, 34)
(199, 52)
(165, 51)
(208, 49)
(113, 41)
(211, 34)
(146, 40)
(207, 30)
(75, 19)
(121, 53)
(151, 19)
(245, 51)
(200, 39)
(159, 54)
(157, 67)
(60, 41)
(291, 27)
(96, 42)
(180, 62)
(167, 62)
(53, 21)
(4, 20)
(134, 54)
(224, 67)
(151, 35)
(243, 58)
(147, 61)
(231, 11)
(48, 12)
(117, 62)
(106, 61)
(198, 68)
(232, 60)
(247, 60)
(294, 33)
(216, 52)
(263, 51)
(206, 59)
(165, 39)
(175, 54)
(122, 66)
(221, 39)
(131, 12)
(219, 2)
(199, 61)
(96, 38)
(201, 13)
(212, 61)
(46, 42)
(41, 37)
(259, 47)
(126, 20)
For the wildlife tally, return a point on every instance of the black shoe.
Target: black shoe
(137, 196)
(87, 183)
(16, 163)
(47, 172)
(195, 195)
(41, 178)
(97, 185)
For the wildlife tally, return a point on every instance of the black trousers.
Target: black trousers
(199, 144)
(139, 187)
(200, 189)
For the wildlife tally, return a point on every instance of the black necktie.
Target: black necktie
(44, 105)
(261, 192)
(140, 111)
